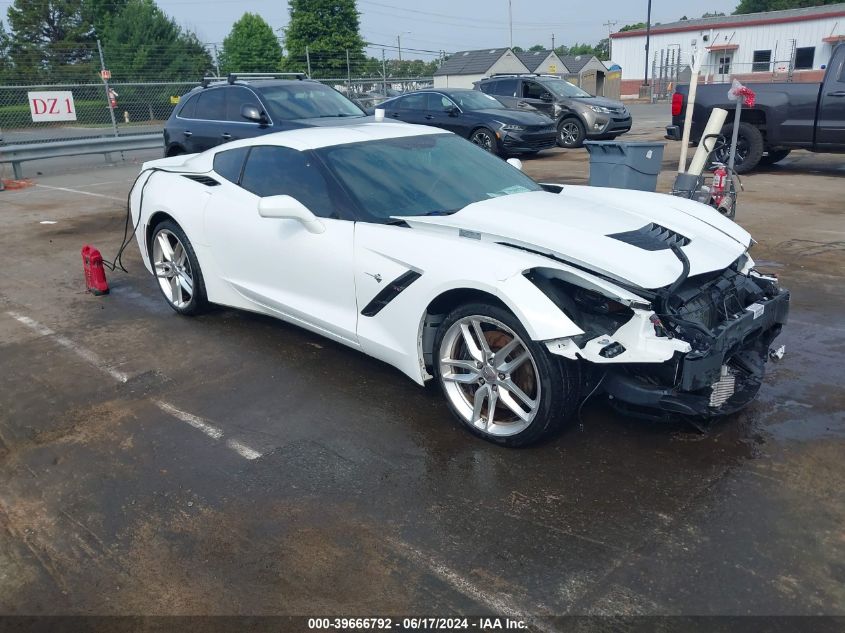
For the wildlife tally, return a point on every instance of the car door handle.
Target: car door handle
(395, 115)
(226, 135)
(429, 117)
(838, 93)
(188, 133)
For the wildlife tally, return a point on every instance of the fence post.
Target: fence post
(308, 60)
(106, 84)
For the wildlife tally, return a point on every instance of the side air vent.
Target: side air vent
(203, 180)
(389, 293)
(652, 237)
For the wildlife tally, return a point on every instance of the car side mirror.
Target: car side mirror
(252, 113)
(515, 162)
(454, 111)
(546, 97)
(289, 208)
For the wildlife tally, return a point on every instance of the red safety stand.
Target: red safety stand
(95, 273)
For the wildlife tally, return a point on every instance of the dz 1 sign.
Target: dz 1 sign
(46, 107)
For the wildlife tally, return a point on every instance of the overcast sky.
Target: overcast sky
(451, 25)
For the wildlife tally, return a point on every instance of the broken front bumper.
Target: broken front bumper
(717, 381)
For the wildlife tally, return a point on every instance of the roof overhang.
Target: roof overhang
(722, 47)
(726, 24)
(833, 39)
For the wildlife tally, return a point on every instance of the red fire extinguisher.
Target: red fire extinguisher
(95, 273)
(112, 99)
(720, 183)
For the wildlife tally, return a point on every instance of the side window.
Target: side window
(229, 163)
(276, 171)
(236, 98)
(188, 108)
(439, 103)
(489, 87)
(413, 102)
(506, 87)
(211, 105)
(533, 90)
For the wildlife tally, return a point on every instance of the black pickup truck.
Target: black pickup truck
(786, 116)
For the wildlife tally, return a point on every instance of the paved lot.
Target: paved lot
(232, 464)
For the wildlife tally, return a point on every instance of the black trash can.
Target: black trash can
(625, 165)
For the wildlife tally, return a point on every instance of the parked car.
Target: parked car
(243, 106)
(578, 115)
(419, 249)
(371, 99)
(785, 116)
(478, 117)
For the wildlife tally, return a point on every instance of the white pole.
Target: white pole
(705, 146)
(693, 87)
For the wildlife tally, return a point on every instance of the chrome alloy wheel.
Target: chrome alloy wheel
(489, 375)
(569, 133)
(483, 139)
(173, 268)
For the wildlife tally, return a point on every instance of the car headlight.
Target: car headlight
(558, 109)
(600, 109)
(510, 127)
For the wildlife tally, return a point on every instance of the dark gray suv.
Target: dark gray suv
(578, 114)
(243, 106)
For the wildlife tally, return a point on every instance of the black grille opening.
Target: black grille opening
(208, 181)
(652, 237)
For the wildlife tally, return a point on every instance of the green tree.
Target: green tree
(602, 49)
(98, 13)
(757, 6)
(251, 46)
(536, 48)
(329, 28)
(50, 39)
(5, 61)
(632, 27)
(142, 43)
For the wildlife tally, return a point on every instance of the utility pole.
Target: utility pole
(103, 74)
(383, 74)
(647, 42)
(553, 42)
(510, 19)
(610, 24)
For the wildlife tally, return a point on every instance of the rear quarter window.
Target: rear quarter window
(230, 163)
(189, 106)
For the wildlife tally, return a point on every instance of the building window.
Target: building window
(762, 61)
(804, 57)
(725, 65)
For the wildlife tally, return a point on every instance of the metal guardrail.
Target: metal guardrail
(17, 154)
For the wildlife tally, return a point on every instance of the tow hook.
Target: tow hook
(777, 353)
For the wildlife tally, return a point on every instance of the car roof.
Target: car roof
(316, 137)
(257, 84)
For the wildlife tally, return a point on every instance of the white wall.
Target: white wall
(629, 52)
(456, 81)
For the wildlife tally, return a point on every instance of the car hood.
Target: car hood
(330, 121)
(598, 101)
(518, 117)
(581, 225)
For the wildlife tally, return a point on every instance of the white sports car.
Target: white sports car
(420, 249)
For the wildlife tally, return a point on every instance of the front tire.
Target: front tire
(177, 270)
(571, 133)
(485, 139)
(501, 385)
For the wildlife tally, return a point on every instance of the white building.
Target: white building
(464, 68)
(794, 44)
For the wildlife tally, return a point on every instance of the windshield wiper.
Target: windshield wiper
(334, 116)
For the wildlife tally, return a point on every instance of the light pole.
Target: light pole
(647, 42)
(510, 19)
(399, 42)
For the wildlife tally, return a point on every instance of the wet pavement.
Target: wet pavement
(233, 464)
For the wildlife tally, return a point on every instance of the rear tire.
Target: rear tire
(749, 148)
(501, 385)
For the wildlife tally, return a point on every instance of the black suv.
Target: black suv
(577, 114)
(244, 106)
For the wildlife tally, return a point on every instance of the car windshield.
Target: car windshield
(475, 100)
(432, 174)
(307, 100)
(563, 88)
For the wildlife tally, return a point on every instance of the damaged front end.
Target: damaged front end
(698, 349)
